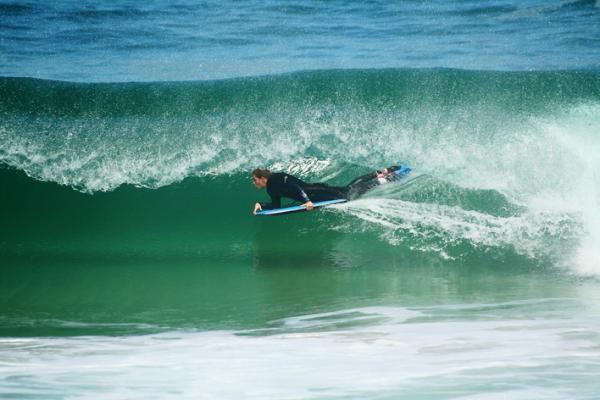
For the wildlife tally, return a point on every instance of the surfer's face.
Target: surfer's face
(259, 182)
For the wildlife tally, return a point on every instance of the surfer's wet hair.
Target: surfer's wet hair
(261, 173)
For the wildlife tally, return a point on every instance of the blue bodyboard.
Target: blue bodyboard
(287, 210)
(402, 171)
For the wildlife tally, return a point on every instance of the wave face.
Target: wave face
(505, 163)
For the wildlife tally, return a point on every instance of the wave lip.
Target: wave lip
(99, 136)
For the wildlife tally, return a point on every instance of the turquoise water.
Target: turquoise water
(131, 265)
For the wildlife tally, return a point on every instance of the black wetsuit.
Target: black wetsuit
(285, 185)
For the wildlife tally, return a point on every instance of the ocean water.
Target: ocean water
(131, 265)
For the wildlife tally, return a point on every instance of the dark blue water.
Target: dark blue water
(189, 40)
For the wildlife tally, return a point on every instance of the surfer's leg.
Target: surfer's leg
(373, 175)
(358, 188)
(364, 183)
(363, 178)
(323, 192)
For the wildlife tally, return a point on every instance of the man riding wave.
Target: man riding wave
(280, 184)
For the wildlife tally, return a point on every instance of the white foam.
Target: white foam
(433, 227)
(398, 353)
(547, 164)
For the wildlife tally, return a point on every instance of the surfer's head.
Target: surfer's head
(260, 177)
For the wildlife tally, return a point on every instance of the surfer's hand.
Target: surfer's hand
(308, 205)
(257, 207)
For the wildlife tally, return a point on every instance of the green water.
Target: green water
(129, 253)
(251, 288)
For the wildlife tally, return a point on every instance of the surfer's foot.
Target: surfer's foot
(387, 171)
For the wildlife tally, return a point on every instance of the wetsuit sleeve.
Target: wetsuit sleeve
(302, 192)
(275, 203)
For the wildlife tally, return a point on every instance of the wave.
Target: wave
(506, 159)
(99, 136)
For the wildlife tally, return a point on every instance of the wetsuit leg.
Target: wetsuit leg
(356, 188)
(323, 192)
(363, 184)
(363, 178)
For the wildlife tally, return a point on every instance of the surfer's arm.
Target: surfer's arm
(302, 193)
(307, 203)
(275, 203)
(286, 190)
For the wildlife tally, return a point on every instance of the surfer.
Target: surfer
(280, 184)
